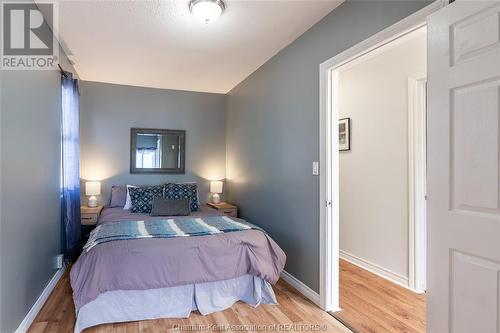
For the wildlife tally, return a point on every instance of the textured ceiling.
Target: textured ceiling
(160, 44)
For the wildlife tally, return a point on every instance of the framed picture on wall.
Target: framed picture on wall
(344, 134)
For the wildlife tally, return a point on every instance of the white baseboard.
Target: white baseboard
(301, 287)
(28, 320)
(376, 269)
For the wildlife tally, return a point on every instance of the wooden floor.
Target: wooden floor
(370, 303)
(58, 316)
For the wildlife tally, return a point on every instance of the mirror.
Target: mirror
(157, 150)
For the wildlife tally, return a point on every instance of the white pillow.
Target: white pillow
(128, 202)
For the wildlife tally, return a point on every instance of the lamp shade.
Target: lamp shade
(216, 186)
(92, 188)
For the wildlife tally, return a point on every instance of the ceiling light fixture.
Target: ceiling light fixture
(207, 11)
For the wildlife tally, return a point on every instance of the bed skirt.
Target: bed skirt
(174, 302)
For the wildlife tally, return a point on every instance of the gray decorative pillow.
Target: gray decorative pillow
(118, 196)
(170, 207)
(142, 197)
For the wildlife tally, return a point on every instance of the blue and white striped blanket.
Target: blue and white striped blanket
(169, 228)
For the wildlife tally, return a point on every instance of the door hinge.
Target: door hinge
(328, 203)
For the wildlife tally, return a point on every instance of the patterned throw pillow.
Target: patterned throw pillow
(183, 191)
(142, 197)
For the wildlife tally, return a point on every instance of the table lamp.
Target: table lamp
(92, 189)
(215, 189)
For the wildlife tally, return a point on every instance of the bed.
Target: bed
(139, 279)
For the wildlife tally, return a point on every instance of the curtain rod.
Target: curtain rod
(63, 73)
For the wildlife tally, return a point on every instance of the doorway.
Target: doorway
(462, 167)
(329, 155)
(381, 105)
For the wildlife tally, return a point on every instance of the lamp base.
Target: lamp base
(215, 198)
(92, 201)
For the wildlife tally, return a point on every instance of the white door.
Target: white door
(463, 168)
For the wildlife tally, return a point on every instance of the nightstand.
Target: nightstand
(88, 220)
(225, 208)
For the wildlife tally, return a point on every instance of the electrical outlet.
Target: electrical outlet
(59, 261)
(315, 168)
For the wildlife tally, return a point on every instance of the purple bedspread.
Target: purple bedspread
(141, 264)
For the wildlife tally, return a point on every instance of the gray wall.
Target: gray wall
(273, 125)
(108, 111)
(30, 228)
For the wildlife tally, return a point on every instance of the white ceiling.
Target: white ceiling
(158, 43)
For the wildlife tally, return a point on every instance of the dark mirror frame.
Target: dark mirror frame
(133, 148)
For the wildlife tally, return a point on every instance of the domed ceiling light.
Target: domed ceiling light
(207, 11)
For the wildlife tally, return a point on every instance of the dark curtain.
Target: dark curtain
(70, 165)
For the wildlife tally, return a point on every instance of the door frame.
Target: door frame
(417, 185)
(329, 156)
